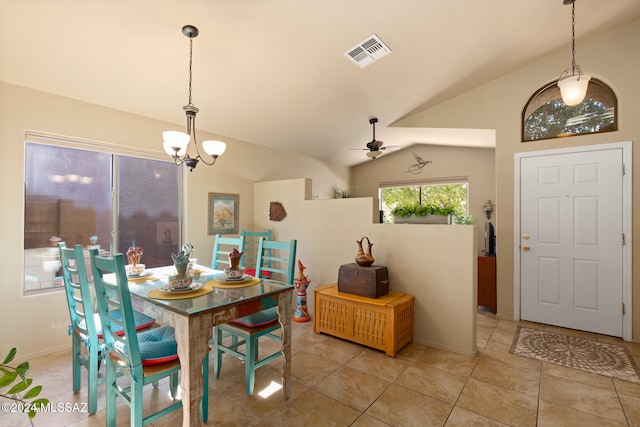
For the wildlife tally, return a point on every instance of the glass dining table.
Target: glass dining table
(193, 315)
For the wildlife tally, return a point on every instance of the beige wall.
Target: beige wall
(613, 58)
(477, 164)
(37, 324)
(441, 276)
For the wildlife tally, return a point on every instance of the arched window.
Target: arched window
(545, 116)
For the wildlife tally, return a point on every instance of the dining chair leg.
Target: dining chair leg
(256, 346)
(250, 362)
(173, 385)
(204, 403)
(136, 403)
(76, 363)
(111, 395)
(93, 380)
(217, 354)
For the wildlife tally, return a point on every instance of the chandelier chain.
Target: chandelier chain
(190, 62)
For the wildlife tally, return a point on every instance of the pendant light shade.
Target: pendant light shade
(214, 148)
(574, 88)
(175, 140)
(572, 82)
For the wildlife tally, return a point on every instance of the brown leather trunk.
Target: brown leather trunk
(371, 282)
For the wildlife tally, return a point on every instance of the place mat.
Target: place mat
(597, 357)
(148, 278)
(158, 294)
(217, 284)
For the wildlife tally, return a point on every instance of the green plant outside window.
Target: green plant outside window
(437, 199)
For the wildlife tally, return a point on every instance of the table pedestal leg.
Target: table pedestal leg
(196, 330)
(284, 311)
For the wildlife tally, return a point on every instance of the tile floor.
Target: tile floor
(337, 383)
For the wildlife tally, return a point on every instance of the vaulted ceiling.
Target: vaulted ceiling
(274, 73)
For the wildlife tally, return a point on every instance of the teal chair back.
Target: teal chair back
(83, 322)
(114, 297)
(277, 257)
(221, 248)
(251, 240)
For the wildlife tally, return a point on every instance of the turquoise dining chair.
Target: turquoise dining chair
(144, 358)
(83, 328)
(250, 257)
(276, 258)
(221, 248)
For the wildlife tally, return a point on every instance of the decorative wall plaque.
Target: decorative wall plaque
(276, 211)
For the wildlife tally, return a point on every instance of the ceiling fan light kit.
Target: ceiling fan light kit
(374, 147)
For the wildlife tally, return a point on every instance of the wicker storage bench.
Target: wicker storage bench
(384, 323)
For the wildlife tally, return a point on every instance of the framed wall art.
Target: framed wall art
(223, 213)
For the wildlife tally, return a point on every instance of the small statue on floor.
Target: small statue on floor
(301, 283)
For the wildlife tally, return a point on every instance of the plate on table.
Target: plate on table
(192, 287)
(224, 279)
(139, 275)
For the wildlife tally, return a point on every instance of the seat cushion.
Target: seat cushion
(261, 318)
(141, 319)
(158, 346)
(252, 272)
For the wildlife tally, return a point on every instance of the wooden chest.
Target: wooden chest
(371, 282)
(384, 323)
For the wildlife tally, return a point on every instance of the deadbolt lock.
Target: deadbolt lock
(525, 236)
(525, 248)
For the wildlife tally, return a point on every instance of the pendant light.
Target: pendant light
(176, 144)
(572, 83)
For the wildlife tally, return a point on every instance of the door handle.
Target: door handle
(525, 236)
(525, 248)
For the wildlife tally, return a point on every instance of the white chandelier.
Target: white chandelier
(176, 144)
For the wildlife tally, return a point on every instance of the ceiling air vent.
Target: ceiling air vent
(368, 51)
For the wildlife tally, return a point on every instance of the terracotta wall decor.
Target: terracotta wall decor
(276, 211)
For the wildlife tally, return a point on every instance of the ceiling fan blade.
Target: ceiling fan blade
(391, 147)
(377, 144)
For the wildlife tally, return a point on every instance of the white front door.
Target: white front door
(571, 240)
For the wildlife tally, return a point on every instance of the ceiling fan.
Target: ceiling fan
(375, 148)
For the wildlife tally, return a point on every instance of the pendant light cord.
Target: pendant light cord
(573, 43)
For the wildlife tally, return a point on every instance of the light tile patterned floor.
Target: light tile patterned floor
(343, 384)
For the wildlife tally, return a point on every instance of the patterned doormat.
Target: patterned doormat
(590, 356)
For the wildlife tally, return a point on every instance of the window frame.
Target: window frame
(115, 152)
(597, 90)
(423, 183)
